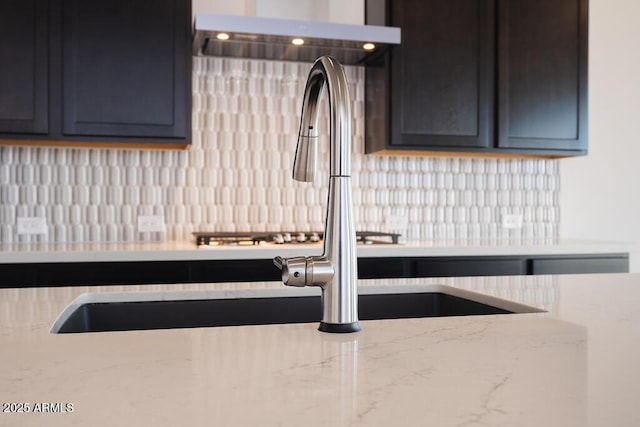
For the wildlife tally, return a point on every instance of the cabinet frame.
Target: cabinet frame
(504, 139)
(61, 130)
(384, 107)
(252, 270)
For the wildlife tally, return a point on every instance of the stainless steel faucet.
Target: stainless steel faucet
(335, 271)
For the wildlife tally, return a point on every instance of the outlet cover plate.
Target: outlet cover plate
(512, 221)
(396, 224)
(31, 225)
(150, 223)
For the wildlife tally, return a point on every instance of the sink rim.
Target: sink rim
(279, 292)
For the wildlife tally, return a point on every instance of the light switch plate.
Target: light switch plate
(31, 225)
(150, 223)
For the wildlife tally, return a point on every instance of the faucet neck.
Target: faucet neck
(325, 70)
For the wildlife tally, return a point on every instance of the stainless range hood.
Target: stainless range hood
(269, 38)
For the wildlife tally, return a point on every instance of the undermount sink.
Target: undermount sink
(193, 309)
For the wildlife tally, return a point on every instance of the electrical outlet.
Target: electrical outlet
(396, 223)
(32, 225)
(150, 223)
(511, 221)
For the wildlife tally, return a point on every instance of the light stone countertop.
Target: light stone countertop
(187, 250)
(576, 365)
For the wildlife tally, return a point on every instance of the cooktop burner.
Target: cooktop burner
(282, 237)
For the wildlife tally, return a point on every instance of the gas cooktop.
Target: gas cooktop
(282, 237)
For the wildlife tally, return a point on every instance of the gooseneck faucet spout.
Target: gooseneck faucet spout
(335, 271)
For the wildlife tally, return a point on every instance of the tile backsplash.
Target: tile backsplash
(236, 176)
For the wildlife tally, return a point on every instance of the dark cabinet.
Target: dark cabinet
(583, 265)
(124, 65)
(383, 268)
(23, 73)
(482, 76)
(440, 78)
(234, 271)
(250, 270)
(542, 76)
(117, 71)
(455, 267)
(111, 273)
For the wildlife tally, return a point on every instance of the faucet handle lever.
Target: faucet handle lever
(279, 262)
(294, 270)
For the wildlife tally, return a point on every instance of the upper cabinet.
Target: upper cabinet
(96, 72)
(24, 53)
(542, 74)
(481, 76)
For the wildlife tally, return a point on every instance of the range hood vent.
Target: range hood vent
(268, 38)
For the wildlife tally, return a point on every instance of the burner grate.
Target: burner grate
(293, 237)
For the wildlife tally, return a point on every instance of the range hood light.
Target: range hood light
(368, 46)
(222, 36)
(246, 37)
(297, 41)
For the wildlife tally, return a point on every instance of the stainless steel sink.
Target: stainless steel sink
(193, 309)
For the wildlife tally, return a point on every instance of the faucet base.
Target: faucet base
(339, 328)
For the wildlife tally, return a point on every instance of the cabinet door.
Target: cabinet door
(580, 265)
(441, 74)
(383, 268)
(23, 66)
(112, 273)
(233, 270)
(125, 68)
(460, 266)
(542, 77)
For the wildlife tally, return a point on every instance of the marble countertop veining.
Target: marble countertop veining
(187, 250)
(576, 365)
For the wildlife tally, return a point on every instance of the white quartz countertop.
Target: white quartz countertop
(578, 364)
(187, 250)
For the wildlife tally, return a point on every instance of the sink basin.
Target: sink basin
(168, 310)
